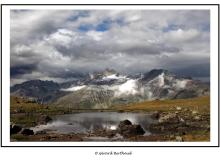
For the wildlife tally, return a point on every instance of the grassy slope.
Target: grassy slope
(23, 105)
(27, 113)
(201, 104)
(19, 105)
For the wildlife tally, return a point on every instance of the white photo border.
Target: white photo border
(214, 71)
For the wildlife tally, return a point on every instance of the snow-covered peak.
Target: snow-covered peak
(154, 73)
(72, 89)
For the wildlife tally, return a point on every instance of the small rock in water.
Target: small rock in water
(127, 129)
(120, 111)
(155, 115)
(125, 122)
(14, 129)
(44, 119)
(178, 108)
(26, 131)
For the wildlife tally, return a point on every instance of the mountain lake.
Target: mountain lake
(89, 121)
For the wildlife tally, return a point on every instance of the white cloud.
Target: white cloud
(97, 36)
(182, 35)
(62, 36)
(131, 40)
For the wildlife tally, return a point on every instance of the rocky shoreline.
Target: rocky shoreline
(181, 124)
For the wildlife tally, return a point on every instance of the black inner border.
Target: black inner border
(2, 5)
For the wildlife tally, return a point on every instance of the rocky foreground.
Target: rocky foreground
(181, 125)
(179, 120)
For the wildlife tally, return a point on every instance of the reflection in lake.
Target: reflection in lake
(89, 121)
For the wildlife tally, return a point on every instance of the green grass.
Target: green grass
(19, 137)
(25, 119)
(201, 104)
(27, 113)
(20, 105)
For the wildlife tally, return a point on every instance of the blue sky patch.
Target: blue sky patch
(104, 25)
(80, 14)
(205, 27)
(85, 27)
(172, 27)
(120, 21)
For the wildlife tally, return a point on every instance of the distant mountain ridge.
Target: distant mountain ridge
(109, 88)
(37, 90)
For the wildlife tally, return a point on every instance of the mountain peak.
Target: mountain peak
(158, 71)
(108, 72)
(104, 73)
(111, 87)
(154, 73)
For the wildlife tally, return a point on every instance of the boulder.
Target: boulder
(14, 129)
(127, 129)
(26, 131)
(155, 115)
(123, 123)
(168, 117)
(44, 119)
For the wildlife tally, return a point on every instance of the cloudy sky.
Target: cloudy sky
(57, 44)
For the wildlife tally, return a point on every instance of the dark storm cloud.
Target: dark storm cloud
(52, 44)
(198, 70)
(23, 69)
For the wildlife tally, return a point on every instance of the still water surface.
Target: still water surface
(89, 121)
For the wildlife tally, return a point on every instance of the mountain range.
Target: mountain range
(101, 90)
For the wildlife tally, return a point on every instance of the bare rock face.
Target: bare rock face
(127, 129)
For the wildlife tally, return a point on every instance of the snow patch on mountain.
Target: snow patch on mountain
(72, 89)
(130, 87)
(161, 80)
(158, 81)
(180, 84)
(113, 76)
